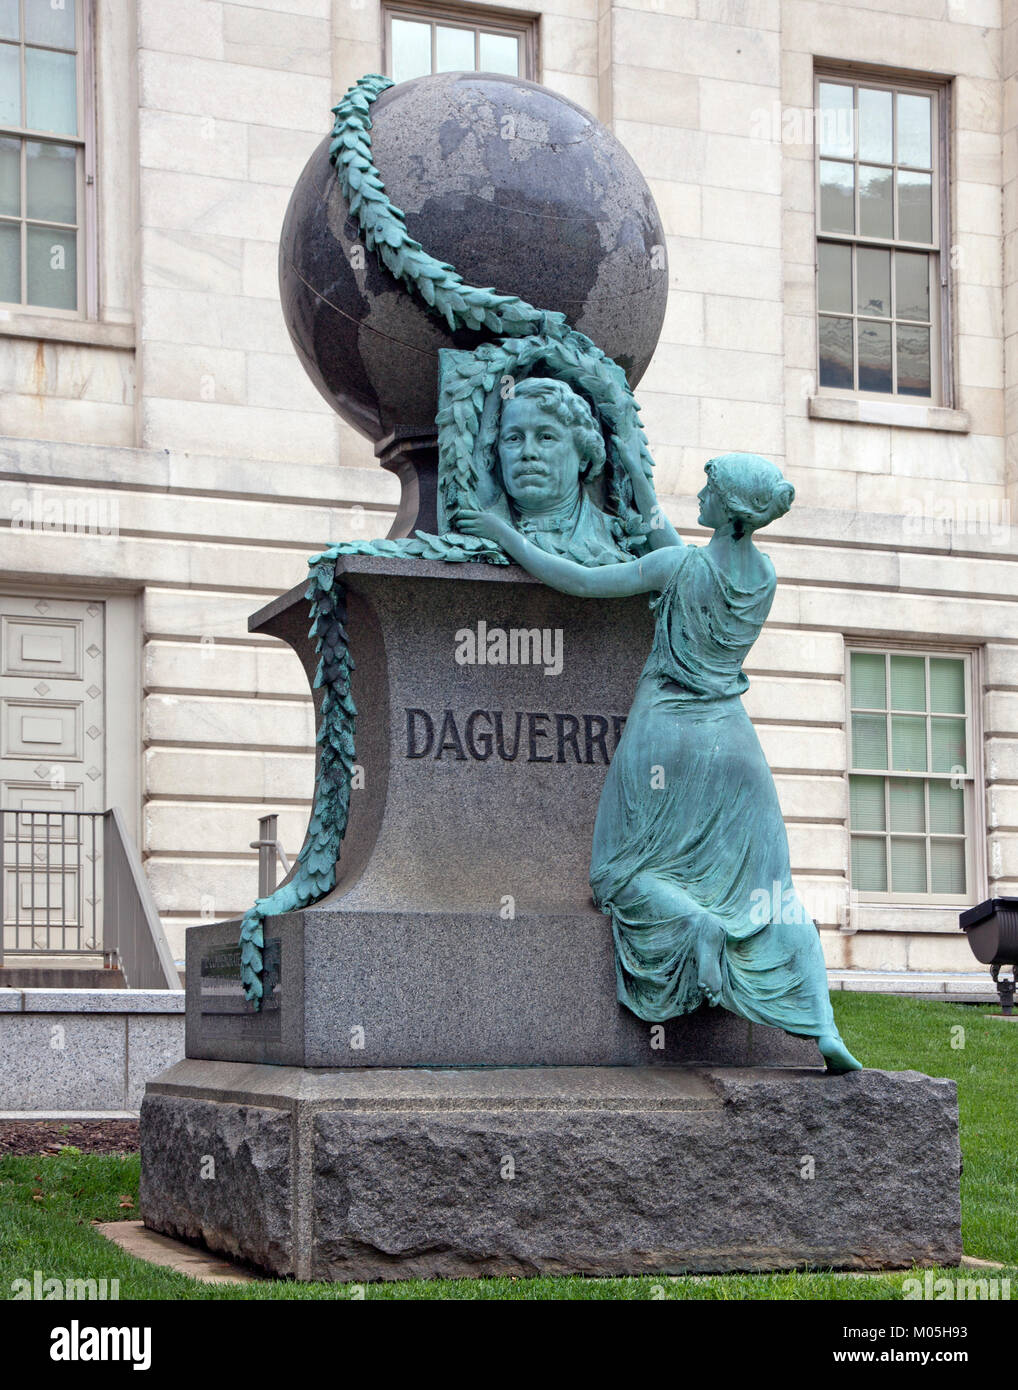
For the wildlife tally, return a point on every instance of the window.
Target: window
(45, 160)
(880, 202)
(911, 776)
(418, 42)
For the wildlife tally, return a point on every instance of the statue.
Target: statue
(689, 826)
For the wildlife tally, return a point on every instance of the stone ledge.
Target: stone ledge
(92, 1001)
(395, 1174)
(855, 410)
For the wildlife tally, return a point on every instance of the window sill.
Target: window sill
(61, 330)
(852, 410)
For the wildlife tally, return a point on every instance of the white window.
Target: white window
(46, 153)
(880, 209)
(912, 776)
(437, 38)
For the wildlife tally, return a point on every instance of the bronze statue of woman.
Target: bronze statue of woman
(689, 838)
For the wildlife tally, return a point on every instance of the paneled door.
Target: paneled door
(52, 762)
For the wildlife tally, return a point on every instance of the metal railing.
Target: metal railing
(269, 850)
(73, 885)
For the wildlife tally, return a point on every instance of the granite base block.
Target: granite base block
(443, 989)
(403, 1173)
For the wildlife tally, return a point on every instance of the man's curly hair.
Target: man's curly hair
(571, 410)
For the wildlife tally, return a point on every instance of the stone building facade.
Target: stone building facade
(167, 468)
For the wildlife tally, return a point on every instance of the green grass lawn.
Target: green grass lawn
(47, 1204)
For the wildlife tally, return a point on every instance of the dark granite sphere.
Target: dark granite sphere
(516, 187)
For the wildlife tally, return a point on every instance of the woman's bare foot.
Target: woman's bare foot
(710, 944)
(836, 1054)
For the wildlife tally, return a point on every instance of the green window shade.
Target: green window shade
(866, 795)
(50, 23)
(10, 177)
(947, 740)
(947, 809)
(908, 805)
(908, 866)
(908, 743)
(908, 682)
(10, 263)
(52, 181)
(947, 866)
(947, 686)
(500, 53)
(869, 740)
(868, 689)
(51, 264)
(454, 49)
(869, 864)
(51, 85)
(9, 20)
(10, 85)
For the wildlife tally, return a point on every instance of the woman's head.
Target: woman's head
(749, 490)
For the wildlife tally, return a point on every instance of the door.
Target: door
(52, 763)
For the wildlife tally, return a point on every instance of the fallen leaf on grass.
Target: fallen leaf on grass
(126, 1201)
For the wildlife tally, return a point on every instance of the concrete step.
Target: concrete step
(958, 987)
(59, 977)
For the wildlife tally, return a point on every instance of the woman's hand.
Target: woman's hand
(477, 523)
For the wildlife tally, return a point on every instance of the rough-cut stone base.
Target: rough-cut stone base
(393, 1174)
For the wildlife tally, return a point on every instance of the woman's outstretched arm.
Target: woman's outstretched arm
(643, 576)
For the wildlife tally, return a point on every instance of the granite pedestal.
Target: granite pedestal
(398, 1174)
(441, 1081)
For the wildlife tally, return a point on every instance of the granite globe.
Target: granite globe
(515, 186)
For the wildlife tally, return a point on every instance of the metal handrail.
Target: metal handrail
(117, 919)
(269, 849)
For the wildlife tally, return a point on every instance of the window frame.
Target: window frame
(86, 247)
(516, 22)
(939, 87)
(974, 789)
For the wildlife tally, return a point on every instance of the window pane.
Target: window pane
(874, 272)
(947, 743)
(875, 214)
(875, 125)
(836, 352)
(912, 285)
(835, 277)
(947, 809)
(874, 356)
(10, 85)
(867, 803)
(869, 740)
(868, 688)
(52, 268)
(947, 866)
(50, 22)
(51, 178)
(9, 19)
(908, 866)
(411, 49)
(915, 206)
(908, 743)
(837, 121)
(908, 682)
(454, 49)
(914, 143)
(908, 805)
(837, 183)
(914, 370)
(10, 263)
(869, 864)
(500, 53)
(52, 91)
(947, 685)
(10, 177)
